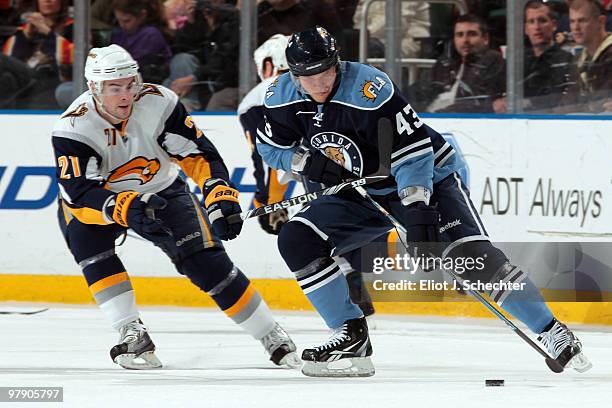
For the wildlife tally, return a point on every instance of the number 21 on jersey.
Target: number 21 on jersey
(64, 163)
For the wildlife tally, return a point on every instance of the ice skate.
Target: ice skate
(281, 348)
(135, 350)
(565, 347)
(345, 354)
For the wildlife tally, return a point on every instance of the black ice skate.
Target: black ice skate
(346, 353)
(565, 347)
(281, 348)
(135, 350)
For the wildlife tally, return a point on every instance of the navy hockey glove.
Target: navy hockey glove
(273, 222)
(319, 168)
(422, 224)
(221, 201)
(137, 211)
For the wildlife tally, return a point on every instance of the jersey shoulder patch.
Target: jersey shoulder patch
(154, 98)
(282, 92)
(149, 89)
(363, 87)
(77, 112)
(73, 117)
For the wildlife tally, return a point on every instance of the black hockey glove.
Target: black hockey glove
(221, 201)
(273, 222)
(137, 211)
(320, 168)
(422, 224)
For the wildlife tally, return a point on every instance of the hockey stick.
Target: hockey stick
(553, 364)
(16, 312)
(385, 141)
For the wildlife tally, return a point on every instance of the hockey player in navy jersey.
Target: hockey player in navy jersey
(271, 62)
(118, 150)
(321, 122)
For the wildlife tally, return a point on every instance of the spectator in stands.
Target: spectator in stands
(44, 43)
(14, 78)
(289, 16)
(587, 23)
(218, 69)
(101, 15)
(191, 32)
(140, 34)
(414, 23)
(550, 76)
(466, 78)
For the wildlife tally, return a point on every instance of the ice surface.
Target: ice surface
(209, 362)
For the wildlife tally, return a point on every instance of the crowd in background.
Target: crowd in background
(192, 47)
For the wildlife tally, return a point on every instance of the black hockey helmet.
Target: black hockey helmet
(311, 52)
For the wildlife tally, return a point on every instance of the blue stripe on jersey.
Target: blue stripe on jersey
(414, 172)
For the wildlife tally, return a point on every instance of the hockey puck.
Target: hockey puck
(494, 383)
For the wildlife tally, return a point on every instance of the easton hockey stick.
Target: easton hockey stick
(385, 142)
(553, 364)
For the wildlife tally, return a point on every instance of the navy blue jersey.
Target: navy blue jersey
(345, 128)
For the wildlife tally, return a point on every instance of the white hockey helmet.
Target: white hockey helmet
(273, 48)
(108, 63)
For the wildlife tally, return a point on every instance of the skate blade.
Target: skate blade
(291, 360)
(146, 361)
(580, 363)
(346, 367)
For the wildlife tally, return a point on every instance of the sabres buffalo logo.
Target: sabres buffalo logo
(138, 169)
(76, 112)
(340, 149)
(148, 89)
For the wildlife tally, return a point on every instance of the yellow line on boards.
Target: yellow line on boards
(282, 294)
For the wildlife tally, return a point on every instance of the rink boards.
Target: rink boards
(531, 180)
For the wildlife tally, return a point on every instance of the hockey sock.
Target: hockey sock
(113, 294)
(326, 288)
(232, 291)
(526, 303)
(237, 297)
(319, 276)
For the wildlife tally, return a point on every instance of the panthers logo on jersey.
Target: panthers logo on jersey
(371, 88)
(340, 149)
(138, 169)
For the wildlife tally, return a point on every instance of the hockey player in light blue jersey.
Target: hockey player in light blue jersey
(321, 122)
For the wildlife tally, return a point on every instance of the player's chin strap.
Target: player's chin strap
(553, 364)
(385, 142)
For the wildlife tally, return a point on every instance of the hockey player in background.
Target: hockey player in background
(321, 122)
(118, 150)
(271, 187)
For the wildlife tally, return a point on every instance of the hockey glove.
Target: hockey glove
(422, 224)
(137, 211)
(319, 168)
(221, 201)
(273, 222)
